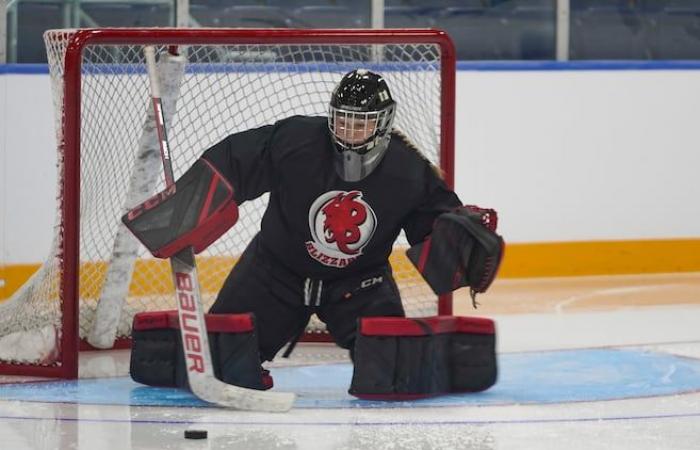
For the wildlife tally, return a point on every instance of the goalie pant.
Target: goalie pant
(282, 301)
(263, 292)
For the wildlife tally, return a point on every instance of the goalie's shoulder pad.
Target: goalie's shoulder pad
(463, 250)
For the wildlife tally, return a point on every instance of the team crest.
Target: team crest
(341, 225)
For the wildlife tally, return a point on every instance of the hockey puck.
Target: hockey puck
(195, 434)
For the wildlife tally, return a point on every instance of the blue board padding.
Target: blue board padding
(490, 66)
(524, 378)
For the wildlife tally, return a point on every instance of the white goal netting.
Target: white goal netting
(209, 91)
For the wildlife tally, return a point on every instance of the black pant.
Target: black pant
(276, 296)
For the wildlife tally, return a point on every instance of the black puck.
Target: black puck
(195, 434)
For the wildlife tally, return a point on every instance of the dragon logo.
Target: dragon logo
(344, 215)
(341, 224)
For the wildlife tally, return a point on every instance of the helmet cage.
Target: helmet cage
(344, 124)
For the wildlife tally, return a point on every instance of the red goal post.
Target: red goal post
(242, 75)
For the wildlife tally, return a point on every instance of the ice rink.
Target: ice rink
(584, 363)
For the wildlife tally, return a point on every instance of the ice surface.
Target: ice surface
(590, 379)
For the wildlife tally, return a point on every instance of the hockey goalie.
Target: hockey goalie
(341, 187)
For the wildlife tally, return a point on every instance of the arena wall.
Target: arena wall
(592, 167)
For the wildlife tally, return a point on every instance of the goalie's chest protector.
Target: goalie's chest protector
(322, 226)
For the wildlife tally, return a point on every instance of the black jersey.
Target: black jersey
(316, 224)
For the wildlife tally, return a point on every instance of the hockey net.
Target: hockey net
(222, 82)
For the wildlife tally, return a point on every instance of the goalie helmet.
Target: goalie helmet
(360, 117)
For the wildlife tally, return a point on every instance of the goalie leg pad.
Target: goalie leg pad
(195, 212)
(407, 358)
(157, 358)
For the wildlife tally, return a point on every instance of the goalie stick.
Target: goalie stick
(195, 342)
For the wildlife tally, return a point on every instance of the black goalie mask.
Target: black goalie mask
(360, 117)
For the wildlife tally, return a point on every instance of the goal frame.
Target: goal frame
(70, 342)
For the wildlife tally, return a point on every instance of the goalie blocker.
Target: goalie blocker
(407, 358)
(195, 211)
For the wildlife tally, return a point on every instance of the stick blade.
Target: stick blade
(244, 399)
